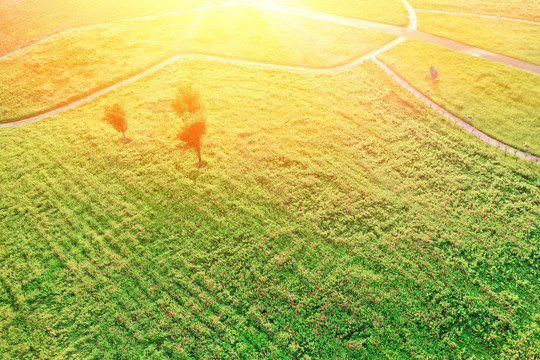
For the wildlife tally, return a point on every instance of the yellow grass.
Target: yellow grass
(388, 11)
(503, 101)
(65, 66)
(521, 9)
(512, 38)
(22, 22)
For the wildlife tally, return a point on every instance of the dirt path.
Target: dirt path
(454, 118)
(413, 19)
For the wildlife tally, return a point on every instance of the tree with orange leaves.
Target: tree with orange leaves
(189, 107)
(116, 116)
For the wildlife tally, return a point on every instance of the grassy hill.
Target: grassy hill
(23, 22)
(519, 9)
(507, 37)
(82, 60)
(338, 217)
(503, 101)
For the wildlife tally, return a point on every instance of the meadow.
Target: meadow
(338, 217)
(502, 101)
(387, 11)
(518, 9)
(511, 38)
(23, 22)
(81, 61)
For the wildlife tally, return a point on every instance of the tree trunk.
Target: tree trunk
(200, 164)
(125, 139)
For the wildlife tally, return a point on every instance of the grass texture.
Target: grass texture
(519, 9)
(512, 38)
(23, 22)
(338, 217)
(387, 11)
(503, 101)
(64, 67)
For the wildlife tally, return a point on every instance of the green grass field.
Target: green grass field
(493, 94)
(338, 217)
(22, 22)
(388, 11)
(66, 66)
(505, 37)
(519, 9)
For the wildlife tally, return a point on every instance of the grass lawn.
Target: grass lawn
(388, 11)
(519, 9)
(63, 67)
(23, 22)
(512, 38)
(338, 216)
(502, 100)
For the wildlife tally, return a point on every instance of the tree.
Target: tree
(187, 99)
(190, 133)
(116, 116)
(190, 109)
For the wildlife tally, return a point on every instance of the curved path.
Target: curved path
(403, 33)
(200, 56)
(409, 32)
(118, 21)
(479, 15)
(479, 134)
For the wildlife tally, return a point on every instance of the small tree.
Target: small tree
(116, 116)
(187, 99)
(192, 130)
(190, 109)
